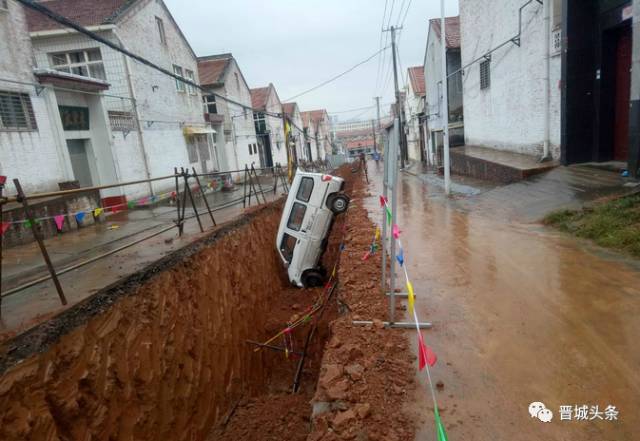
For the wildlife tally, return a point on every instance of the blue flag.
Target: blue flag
(80, 216)
(400, 257)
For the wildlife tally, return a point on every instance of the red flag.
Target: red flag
(4, 227)
(59, 219)
(383, 201)
(425, 354)
(366, 255)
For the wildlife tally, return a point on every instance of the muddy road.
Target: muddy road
(521, 314)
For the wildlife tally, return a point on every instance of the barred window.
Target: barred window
(485, 74)
(191, 77)
(122, 121)
(87, 63)
(16, 112)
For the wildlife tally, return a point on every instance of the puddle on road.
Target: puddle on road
(520, 315)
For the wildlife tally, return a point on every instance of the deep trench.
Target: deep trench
(163, 354)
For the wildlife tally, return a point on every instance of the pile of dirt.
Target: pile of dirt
(367, 372)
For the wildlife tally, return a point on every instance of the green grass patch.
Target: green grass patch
(612, 224)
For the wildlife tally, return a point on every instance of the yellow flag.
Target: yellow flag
(412, 298)
(377, 234)
(97, 212)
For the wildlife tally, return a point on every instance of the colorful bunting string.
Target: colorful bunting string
(426, 357)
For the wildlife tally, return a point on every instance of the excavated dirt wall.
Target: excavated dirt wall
(161, 355)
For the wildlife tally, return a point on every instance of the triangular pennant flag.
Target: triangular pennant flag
(383, 201)
(366, 255)
(27, 224)
(131, 204)
(143, 201)
(377, 236)
(400, 257)
(59, 220)
(440, 432)
(80, 216)
(396, 231)
(425, 354)
(4, 227)
(97, 212)
(389, 218)
(411, 297)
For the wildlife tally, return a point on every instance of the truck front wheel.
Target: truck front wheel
(312, 278)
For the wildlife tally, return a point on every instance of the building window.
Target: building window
(87, 63)
(122, 121)
(192, 150)
(16, 112)
(4, 5)
(485, 74)
(191, 77)
(163, 36)
(180, 85)
(237, 81)
(209, 102)
(251, 149)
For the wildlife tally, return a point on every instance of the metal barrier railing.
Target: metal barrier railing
(250, 182)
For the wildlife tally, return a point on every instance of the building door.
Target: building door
(268, 158)
(80, 161)
(622, 90)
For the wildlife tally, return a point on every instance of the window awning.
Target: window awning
(198, 130)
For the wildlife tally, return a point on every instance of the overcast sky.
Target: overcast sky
(297, 44)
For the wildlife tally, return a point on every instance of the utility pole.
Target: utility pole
(377, 98)
(445, 102)
(373, 129)
(393, 30)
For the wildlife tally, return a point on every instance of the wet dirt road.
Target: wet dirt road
(521, 314)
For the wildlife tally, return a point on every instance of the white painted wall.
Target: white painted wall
(33, 157)
(413, 106)
(509, 115)
(275, 125)
(432, 77)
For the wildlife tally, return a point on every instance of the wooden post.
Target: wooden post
(253, 169)
(193, 202)
(36, 234)
(204, 196)
(183, 204)
(179, 222)
(244, 188)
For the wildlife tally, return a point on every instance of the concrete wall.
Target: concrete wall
(509, 115)
(432, 75)
(23, 153)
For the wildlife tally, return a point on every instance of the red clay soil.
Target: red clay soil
(366, 372)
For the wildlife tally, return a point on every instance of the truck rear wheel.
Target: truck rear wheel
(312, 278)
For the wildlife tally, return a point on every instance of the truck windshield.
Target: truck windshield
(297, 216)
(287, 246)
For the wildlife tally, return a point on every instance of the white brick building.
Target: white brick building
(302, 148)
(29, 137)
(156, 122)
(433, 85)
(233, 123)
(504, 92)
(318, 132)
(269, 126)
(414, 112)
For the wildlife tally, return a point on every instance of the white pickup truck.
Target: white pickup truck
(313, 201)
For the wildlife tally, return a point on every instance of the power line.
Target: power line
(324, 83)
(351, 110)
(400, 11)
(382, 34)
(405, 13)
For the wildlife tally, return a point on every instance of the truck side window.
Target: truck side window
(287, 246)
(297, 216)
(305, 190)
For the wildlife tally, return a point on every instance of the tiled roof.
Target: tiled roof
(453, 30)
(416, 76)
(83, 12)
(313, 115)
(359, 144)
(289, 108)
(259, 97)
(211, 69)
